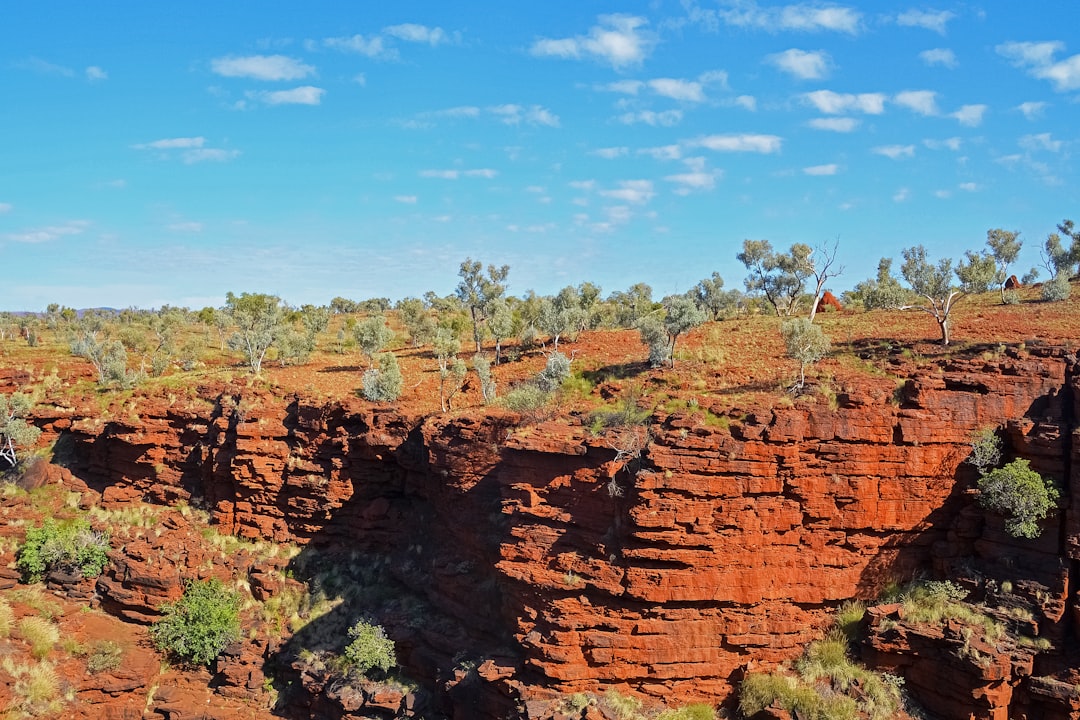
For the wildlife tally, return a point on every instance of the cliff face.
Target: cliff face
(665, 559)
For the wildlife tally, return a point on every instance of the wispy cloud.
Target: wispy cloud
(672, 88)
(922, 102)
(939, 56)
(511, 114)
(664, 152)
(841, 125)
(406, 199)
(801, 17)
(303, 95)
(44, 67)
(186, 227)
(901, 195)
(969, 115)
(1041, 141)
(1038, 59)
(969, 187)
(636, 192)
(50, 232)
(802, 64)
(487, 173)
(411, 32)
(193, 150)
(1032, 110)
(667, 118)
(610, 153)
(696, 178)
(380, 46)
(766, 144)
(930, 20)
(261, 67)
(6, 208)
(830, 169)
(95, 74)
(834, 103)
(952, 143)
(895, 152)
(618, 40)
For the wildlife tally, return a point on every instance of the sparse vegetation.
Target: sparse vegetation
(69, 545)
(370, 649)
(1019, 493)
(202, 623)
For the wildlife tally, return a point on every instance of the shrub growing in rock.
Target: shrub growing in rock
(370, 649)
(68, 545)
(383, 384)
(1019, 493)
(202, 623)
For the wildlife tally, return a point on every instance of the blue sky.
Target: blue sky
(168, 153)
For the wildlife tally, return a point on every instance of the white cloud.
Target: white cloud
(686, 90)
(830, 169)
(801, 63)
(461, 111)
(1065, 74)
(901, 195)
(186, 227)
(372, 47)
(610, 153)
(664, 152)
(834, 103)
(636, 192)
(455, 174)
(942, 194)
(747, 102)
(44, 67)
(537, 115)
(696, 178)
(895, 152)
(261, 67)
(585, 185)
(417, 33)
(765, 144)
(625, 87)
(406, 199)
(6, 207)
(804, 17)
(49, 233)
(198, 155)
(952, 143)
(172, 143)
(96, 74)
(304, 95)
(1030, 54)
(939, 56)
(714, 77)
(1032, 110)
(616, 40)
(842, 125)
(935, 21)
(667, 118)
(512, 114)
(969, 115)
(968, 187)
(1042, 141)
(922, 102)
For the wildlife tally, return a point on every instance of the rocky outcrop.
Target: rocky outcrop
(661, 559)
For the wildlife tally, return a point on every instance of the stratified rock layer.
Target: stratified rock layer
(664, 560)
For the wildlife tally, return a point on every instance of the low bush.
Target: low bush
(103, 656)
(202, 623)
(69, 545)
(370, 649)
(1024, 496)
(525, 398)
(41, 634)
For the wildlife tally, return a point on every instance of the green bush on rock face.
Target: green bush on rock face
(369, 649)
(202, 623)
(1024, 496)
(68, 545)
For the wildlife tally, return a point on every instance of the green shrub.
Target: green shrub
(555, 371)
(985, 449)
(623, 707)
(759, 691)
(1057, 288)
(525, 397)
(68, 545)
(104, 655)
(383, 384)
(848, 617)
(202, 623)
(369, 649)
(1024, 496)
(695, 711)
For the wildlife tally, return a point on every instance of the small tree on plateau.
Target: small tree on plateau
(805, 342)
(1005, 247)
(476, 291)
(258, 319)
(16, 434)
(933, 284)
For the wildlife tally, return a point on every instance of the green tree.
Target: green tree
(805, 342)
(258, 319)
(202, 623)
(655, 337)
(933, 285)
(500, 323)
(17, 434)
(822, 265)
(476, 291)
(779, 277)
(632, 305)
(682, 315)
(452, 370)
(372, 335)
(1005, 248)
(1019, 493)
(415, 316)
(979, 273)
(710, 296)
(883, 292)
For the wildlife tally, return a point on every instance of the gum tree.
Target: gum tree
(259, 320)
(476, 291)
(16, 433)
(933, 285)
(1005, 248)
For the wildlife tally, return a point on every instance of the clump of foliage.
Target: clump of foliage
(70, 545)
(1024, 496)
(525, 398)
(370, 649)
(41, 634)
(805, 342)
(482, 366)
(384, 383)
(202, 623)
(985, 449)
(104, 656)
(693, 711)
(259, 320)
(16, 434)
(555, 371)
(936, 601)
(1057, 288)
(36, 692)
